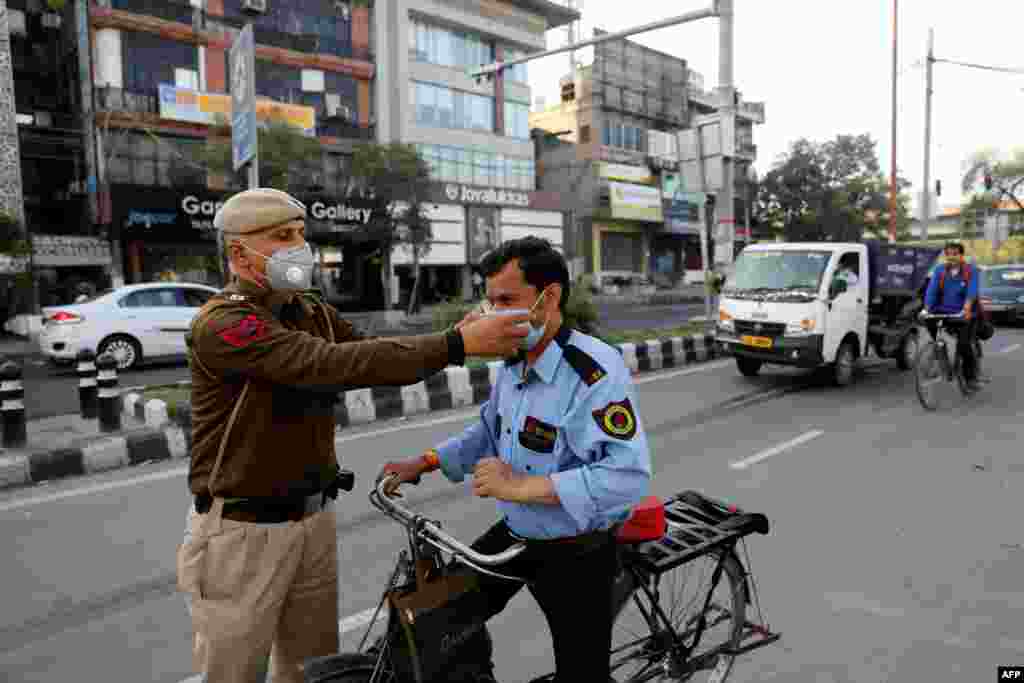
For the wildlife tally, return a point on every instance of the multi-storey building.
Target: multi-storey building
(160, 81)
(608, 148)
(45, 173)
(474, 133)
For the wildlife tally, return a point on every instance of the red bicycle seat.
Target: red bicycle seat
(646, 523)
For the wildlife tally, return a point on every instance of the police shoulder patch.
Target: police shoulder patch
(617, 419)
(589, 370)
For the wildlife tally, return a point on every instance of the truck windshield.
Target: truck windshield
(775, 271)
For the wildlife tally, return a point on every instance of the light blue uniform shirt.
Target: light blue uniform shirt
(573, 419)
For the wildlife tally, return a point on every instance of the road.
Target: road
(53, 391)
(895, 554)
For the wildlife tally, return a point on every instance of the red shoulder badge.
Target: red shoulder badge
(617, 420)
(244, 332)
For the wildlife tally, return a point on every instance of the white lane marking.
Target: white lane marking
(775, 450)
(1010, 349)
(183, 470)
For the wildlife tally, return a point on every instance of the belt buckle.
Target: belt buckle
(313, 503)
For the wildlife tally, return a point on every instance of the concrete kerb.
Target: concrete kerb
(158, 437)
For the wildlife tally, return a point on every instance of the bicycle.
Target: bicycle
(934, 365)
(652, 640)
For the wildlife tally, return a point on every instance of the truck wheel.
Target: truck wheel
(907, 354)
(749, 367)
(846, 363)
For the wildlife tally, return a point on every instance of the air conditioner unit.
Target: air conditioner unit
(255, 6)
(334, 109)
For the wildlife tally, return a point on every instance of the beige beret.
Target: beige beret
(258, 209)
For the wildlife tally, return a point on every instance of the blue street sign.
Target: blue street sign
(243, 98)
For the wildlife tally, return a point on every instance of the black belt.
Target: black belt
(267, 510)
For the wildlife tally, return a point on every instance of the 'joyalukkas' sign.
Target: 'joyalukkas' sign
(467, 194)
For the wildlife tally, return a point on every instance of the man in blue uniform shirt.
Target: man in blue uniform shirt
(953, 290)
(559, 445)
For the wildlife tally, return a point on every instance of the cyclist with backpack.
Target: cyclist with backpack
(953, 290)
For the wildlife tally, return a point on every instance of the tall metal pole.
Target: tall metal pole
(254, 170)
(892, 173)
(726, 205)
(927, 195)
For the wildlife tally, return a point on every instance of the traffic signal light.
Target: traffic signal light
(568, 90)
(988, 182)
(938, 188)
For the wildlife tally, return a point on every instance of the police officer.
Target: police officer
(268, 358)
(561, 448)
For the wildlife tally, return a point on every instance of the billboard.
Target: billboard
(482, 232)
(631, 174)
(193, 106)
(635, 202)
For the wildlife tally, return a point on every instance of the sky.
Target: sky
(824, 68)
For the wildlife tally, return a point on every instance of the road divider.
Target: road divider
(162, 432)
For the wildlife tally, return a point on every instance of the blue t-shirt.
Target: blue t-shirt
(956, 289)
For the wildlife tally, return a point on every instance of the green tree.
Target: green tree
(14, 244)
(831, 191)
(1007, 176)
(289, 160)
(397, 181)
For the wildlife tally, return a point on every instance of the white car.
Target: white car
(133, 322)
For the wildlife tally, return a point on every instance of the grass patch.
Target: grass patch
(172, 396)
(641, 335)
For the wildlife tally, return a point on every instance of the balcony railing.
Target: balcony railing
(310, 43)
(752, 110)
(119, 99)
(181, 12)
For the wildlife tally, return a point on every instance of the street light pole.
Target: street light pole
(726, 233)
(926, 197)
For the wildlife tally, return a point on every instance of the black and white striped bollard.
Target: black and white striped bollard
(108, 394)
(87, 384)
(12, 405)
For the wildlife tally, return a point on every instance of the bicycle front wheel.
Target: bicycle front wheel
(929, 374)
(671, 646)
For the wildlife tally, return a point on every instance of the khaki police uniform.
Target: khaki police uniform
(259, 561)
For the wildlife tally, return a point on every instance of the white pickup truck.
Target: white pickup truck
(823, 305)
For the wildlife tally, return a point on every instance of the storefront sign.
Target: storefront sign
(69, 250)
(640, 175)
(622, 156)
(193, 106)
(635, 202)
(339, 213)
(469, 194)
(160, 213)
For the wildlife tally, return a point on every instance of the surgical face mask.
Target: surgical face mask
(290, 268)
(535, 334)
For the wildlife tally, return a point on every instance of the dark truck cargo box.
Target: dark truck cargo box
(898, 270)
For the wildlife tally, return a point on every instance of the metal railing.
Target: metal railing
(122, 100)
(181, 12)
(310, 43)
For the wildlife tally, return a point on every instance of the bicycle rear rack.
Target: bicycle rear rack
(697, 526)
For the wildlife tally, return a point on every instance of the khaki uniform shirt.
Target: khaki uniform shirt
(282, 441)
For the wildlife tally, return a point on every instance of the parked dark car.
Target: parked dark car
(1001, 291)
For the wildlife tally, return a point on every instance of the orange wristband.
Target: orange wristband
(432, 459)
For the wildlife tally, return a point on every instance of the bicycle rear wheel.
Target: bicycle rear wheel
(645, 649)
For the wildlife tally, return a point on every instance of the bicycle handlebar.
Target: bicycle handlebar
(432, 531)
(925, 315)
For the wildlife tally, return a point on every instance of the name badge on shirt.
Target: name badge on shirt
(538, 436)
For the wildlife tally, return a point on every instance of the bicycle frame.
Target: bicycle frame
(637, 580)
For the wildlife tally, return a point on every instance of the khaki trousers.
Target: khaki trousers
(262, 596)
